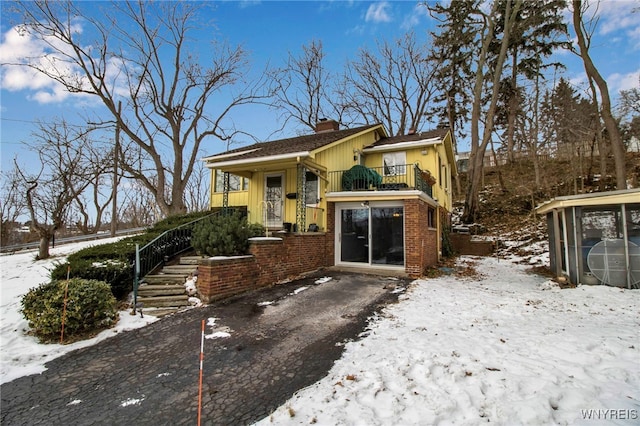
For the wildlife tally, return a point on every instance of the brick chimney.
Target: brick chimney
(325, 125)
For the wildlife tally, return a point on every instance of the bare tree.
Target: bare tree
(138, 206)
(394, 86)
(12, 205)
(94, 202)
(483, 73)
(537, 32)
(61, 179)
(301, 88)
(197, 196)
(617, 147)
(141, 55)
(630, 101)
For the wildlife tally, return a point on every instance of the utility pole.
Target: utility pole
(114, 200)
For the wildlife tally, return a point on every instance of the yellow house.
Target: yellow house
(381, 201)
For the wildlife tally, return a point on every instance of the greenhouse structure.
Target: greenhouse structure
(595, 238)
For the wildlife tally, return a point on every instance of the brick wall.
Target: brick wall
(331, 233)
(274, 260)
(421, 244)
(223, 277)
(462, 244)
(270, 261)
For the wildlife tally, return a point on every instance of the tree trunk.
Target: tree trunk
(43, 247)
(536, 168)
(617, 147)
(602, 150)
(472, 203)
(513, 110)
(498, 167)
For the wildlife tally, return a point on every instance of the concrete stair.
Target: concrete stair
(162, 293)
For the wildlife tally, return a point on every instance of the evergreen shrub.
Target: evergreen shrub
(224, 235)
(117, 274)
(113, 262)
(90, 308)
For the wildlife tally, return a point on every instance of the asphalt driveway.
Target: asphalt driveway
(150, 375)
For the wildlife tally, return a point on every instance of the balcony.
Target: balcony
(403, 177)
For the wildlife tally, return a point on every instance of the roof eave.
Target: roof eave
(624, 196)
(408, 144)
(258, 160)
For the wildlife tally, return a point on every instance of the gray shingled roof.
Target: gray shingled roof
(291, 145)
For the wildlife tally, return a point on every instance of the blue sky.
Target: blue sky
(270, 30)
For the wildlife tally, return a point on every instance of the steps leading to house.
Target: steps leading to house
(190, 260)
(163, 293)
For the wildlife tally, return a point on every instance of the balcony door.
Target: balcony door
(370, 234)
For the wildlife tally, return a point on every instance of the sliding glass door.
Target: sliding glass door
(371, 234)
(387, 236)
(354, 229)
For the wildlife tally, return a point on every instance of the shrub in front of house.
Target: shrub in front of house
(113, 262)
(118, 274)
(90, 308)
(224, 235)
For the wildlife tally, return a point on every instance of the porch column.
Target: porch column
(301, 199)
(625, 238)
(225, 191)
(556, 243)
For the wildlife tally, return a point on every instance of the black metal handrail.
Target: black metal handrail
(166, 245)
(390, 178)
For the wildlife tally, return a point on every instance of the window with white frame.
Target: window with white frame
(312, 189)
(394, 163)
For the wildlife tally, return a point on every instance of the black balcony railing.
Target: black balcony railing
(390, 178)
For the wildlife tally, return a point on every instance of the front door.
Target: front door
(273, 200)
(370, 234)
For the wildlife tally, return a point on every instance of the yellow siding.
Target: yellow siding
(336, 157)
(236, 199)
(341, 156)
(427, 159)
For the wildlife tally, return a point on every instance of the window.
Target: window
(312, 189)
(235, 182)
(393, 163)
(431, 218)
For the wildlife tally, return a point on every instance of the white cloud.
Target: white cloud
(618, 17)
(413, 19)
(378, 12)
(618, 82)
(18, 48)
(634, 36)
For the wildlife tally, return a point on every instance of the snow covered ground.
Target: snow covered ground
(21, 354)
(491, 344)
(505, 347)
